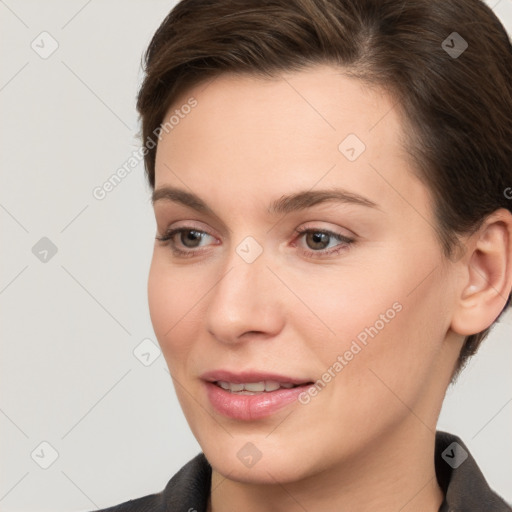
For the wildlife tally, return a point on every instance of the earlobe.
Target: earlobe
(488, 275)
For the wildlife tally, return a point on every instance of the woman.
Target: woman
(331, 185)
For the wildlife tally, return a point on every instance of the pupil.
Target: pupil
(320, 238)
(191, 236)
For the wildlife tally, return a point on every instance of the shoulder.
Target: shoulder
(460, 478)
(151, 503)
(187, 491)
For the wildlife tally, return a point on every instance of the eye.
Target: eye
(319, 241)
(188, 237)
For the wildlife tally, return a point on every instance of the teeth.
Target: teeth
(254, 387)
(230, 387)
(271, 385)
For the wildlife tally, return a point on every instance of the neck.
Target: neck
(395, 473)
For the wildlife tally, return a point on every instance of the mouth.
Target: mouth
(249, 396)
(253, 388)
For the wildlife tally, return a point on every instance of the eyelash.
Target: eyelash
(167, 239)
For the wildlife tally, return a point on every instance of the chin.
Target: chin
(244, 462)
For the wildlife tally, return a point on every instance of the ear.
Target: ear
(487, 275)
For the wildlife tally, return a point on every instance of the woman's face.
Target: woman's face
(359, 304)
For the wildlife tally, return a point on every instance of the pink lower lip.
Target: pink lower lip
(251, 407)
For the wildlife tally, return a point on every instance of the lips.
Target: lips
(251, 395)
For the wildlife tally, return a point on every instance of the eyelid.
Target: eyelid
(317, 226)
(190, 225)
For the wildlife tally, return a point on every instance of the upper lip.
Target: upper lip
(250, 376)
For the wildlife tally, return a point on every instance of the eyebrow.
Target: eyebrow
(286, 204)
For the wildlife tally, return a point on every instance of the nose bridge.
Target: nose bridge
(246, 266)
(244, 282)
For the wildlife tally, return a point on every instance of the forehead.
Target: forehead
(297, 130)
(321, 94)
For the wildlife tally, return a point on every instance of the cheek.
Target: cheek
(386, 361)
(402, 344)
(378, 316)
(172, 297)
(342, 304)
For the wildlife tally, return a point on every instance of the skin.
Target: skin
(366, 441)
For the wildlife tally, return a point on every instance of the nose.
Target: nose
(246, 302)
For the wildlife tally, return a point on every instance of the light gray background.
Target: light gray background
(69, 326)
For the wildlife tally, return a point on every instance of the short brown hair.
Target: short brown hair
(458, 108)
